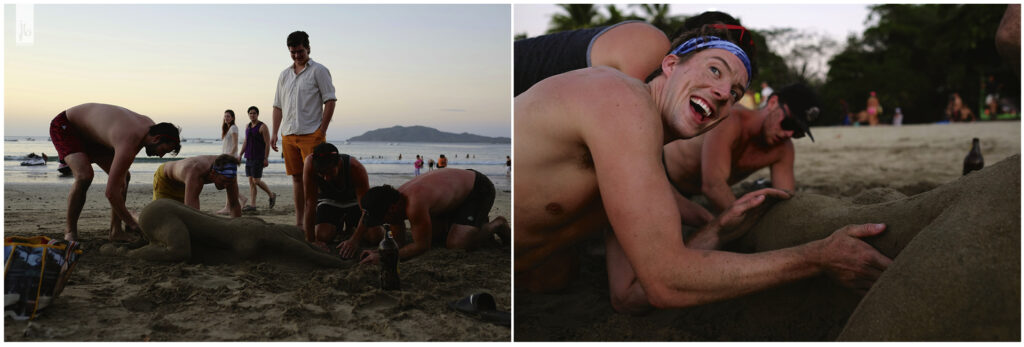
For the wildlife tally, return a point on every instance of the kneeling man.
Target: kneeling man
(742, 144)
(184, 179)
(445, 206)
(333, 183)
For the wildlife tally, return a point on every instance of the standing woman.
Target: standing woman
(229, 137)
(256, 150)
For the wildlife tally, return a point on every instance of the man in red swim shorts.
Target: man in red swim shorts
(109, 136)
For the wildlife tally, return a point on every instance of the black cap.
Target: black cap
(803, 104)
(372, 220)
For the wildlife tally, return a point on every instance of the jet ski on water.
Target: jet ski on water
(33, 159)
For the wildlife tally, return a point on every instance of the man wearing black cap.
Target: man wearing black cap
(184, 179)
(742, 144)
(333, 183)
(445, 207)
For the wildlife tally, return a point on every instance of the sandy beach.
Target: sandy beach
(120, 299)
(961, 249)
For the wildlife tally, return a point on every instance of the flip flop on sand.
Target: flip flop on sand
(481, 306)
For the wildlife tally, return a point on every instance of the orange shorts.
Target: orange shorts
(295, 149)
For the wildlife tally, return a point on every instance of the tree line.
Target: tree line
(914, 56)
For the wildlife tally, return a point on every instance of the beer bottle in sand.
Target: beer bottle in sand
(974, 161)
(389, 261)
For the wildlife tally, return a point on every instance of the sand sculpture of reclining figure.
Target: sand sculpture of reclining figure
(179, 233)
(956, 262)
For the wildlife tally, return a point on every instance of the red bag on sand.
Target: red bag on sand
(35, 272)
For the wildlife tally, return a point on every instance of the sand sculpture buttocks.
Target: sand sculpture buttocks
(178, 233)
(956, 269)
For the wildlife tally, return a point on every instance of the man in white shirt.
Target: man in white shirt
(304, 102)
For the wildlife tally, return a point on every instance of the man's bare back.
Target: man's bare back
(97, 123)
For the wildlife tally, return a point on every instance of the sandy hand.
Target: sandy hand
(348, 249)
(744, 213)
(369, 257)
(849, 260)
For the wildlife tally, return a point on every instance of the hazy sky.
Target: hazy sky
(442, 66)
(835, 20)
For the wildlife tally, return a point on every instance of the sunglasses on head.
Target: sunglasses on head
(738, 33)
(790, 124)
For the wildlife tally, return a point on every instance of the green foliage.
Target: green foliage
(914, 57)
(577, 16)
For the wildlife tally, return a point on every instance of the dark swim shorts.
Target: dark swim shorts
(474, 210)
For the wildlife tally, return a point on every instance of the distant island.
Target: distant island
(418, 133)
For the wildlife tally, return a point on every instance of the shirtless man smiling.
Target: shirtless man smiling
(595, 139)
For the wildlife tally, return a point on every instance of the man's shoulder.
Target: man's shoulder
(597, 87)
(316, 66)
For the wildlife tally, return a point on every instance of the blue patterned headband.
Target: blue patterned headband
(702, 42)
(229, 170)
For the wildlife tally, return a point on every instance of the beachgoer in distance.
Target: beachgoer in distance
(442, 162)
(897, 117)
(256, 151)
(184, 179)
(766, 92)
(874, 109)
(444, 207)
(334, 185)
(229, 145)
(956, 111)
(418, 165)
(83, 135)
(508, 165)
(430, 164)
(583, 125)
(742, 144)
(304, 103)
(229, 133)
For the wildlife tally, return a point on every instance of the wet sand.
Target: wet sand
(120, 299)
(956, 274)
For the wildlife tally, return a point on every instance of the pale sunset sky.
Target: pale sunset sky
(442, 66)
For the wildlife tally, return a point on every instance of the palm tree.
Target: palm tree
(616, 16)
(579, 16)
(657, 15)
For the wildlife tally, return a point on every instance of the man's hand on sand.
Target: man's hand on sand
(370, 256)
(849, 260)
(348, 249)
(743, 213)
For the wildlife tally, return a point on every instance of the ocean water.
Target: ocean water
(379, 158)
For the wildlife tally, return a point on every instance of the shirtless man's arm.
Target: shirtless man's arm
(782, 170)
(124, 155)
(716, 163)
(233, 204)
(193, 186)
(422, 227)
(633, 48)
(641, 210)
(419, 219)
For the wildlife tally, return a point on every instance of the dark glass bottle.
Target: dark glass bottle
(974, 161)
(389, 261)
